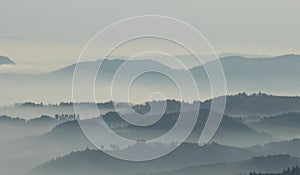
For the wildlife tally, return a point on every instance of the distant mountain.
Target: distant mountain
(92, 162)
(108, 67)
(242, 75)
(38, 87)
(5, 60)
(243, 55)
(276, 75)
(284, 126)
(270, 164)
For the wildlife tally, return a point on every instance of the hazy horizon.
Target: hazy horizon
(40, 36)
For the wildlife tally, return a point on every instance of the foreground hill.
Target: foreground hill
(29, 151)
(270, 164)
(92, 162)
(284, 126)
(16, 128)
(68, 136)
(290, 147)
(290, 171)
(230, 131)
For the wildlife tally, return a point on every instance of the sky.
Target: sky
(41, 36)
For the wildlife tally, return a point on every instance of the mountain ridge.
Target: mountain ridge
(120, 60)
(242, 75)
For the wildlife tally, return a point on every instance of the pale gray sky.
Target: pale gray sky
(42, 35)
